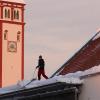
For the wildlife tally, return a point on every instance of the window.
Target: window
(5, 34)
(7, 13)
(18, 36)
(16, 14)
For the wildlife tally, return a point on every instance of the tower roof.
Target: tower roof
(16, 1)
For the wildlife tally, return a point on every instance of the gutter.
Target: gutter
(53, 93)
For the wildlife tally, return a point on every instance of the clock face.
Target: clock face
(12, 46)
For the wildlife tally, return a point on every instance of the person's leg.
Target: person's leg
(43, 74)
(39, 74)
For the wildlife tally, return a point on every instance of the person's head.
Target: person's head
(40, 57)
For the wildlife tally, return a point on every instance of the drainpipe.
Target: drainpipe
(76, 93)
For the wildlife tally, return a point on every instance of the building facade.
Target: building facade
(54, 91)
(91, 87)
(11, 42)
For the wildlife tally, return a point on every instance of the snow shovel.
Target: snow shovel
(33, 79)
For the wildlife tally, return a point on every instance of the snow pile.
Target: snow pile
(37, 83)
(23, 83)
(92, 70)
(54, 80)
(71, 78)
(78, 74)
(9, 89)
(75, 75)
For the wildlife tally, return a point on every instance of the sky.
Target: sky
(57, 29)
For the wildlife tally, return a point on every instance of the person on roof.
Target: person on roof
(41, 65)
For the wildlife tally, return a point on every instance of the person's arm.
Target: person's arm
(38, 64)
(37, 67)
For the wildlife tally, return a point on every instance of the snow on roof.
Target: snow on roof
(9, 89)
(16, 1)
(90, 71)
(38, 83)
(51, 81)
(71, 78)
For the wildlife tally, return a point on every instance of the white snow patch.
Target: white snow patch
(9, 89)
(38, 83)
(92, 70)
(71, 78)
(55, 80)
(78, 74)
(75, 75)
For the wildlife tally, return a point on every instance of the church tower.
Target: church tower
(11, 42)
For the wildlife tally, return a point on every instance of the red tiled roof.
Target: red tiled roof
(87, 57)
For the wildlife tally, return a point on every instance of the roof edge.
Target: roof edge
(62, 67)
(90, 75)
(14, 2)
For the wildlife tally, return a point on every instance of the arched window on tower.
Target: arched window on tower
(18, 36)
(17, 15)
(6, 13)
(14, 14)
(5, 34)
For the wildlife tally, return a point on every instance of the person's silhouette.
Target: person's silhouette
(41, 70)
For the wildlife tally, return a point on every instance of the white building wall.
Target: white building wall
(91, 88)
(11, 61)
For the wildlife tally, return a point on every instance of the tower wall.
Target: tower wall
(11, 43)
(0, 54)
(11, 59)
